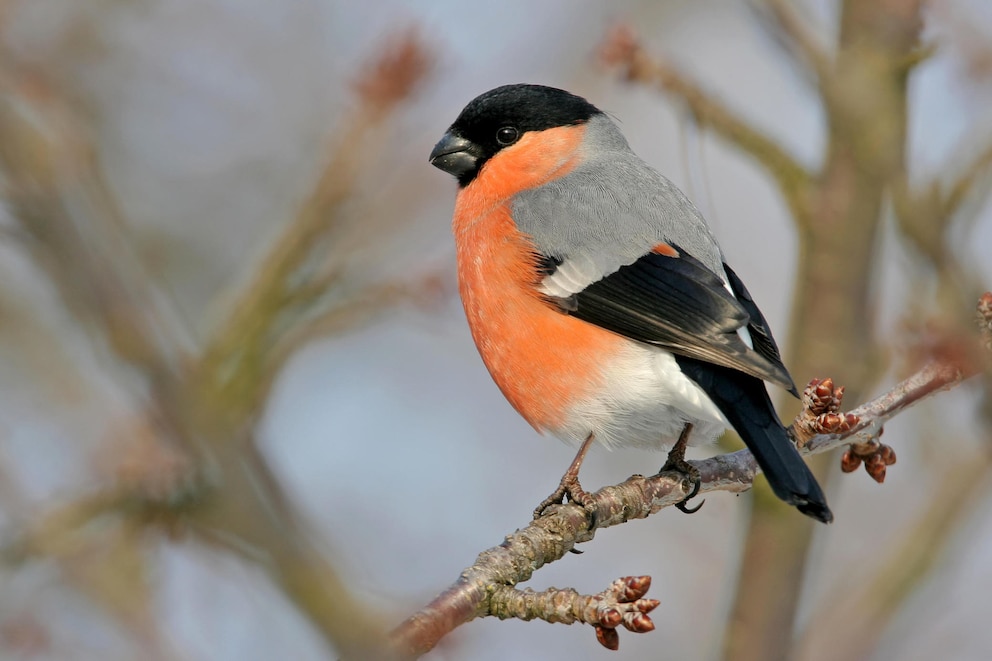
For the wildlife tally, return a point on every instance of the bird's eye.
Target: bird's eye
(507, 135)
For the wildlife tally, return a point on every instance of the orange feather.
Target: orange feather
(542, 360)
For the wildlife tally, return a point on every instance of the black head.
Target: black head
(498, 119)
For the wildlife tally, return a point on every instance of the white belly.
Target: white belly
(645, 402)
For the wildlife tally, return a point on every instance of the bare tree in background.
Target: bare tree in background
(183, 414)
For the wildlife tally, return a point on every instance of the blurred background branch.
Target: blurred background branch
(201, 403)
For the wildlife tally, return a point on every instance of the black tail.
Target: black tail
(744, 402)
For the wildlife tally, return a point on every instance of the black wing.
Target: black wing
(761, 333)
(678, 304)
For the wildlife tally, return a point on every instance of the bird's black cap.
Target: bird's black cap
(497, 119)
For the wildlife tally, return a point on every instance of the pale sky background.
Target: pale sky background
(212, 116)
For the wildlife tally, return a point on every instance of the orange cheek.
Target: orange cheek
(538, 157)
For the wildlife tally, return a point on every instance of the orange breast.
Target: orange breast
(541, 359)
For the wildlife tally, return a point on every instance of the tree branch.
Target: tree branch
(794, 31)
(621, 604)
(962, 187)
(236, 366)
(550, 537)
(925, 212)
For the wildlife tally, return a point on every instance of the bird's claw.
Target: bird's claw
(676, 463)
(690, 474)
(696, 482)
(569, 488)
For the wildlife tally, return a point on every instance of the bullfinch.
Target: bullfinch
(598, 297)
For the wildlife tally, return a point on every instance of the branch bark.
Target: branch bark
(621, 604)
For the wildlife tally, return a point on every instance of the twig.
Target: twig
(66, 216)
(795, 31)
(237, 365)
(926, 211)
(550, 537)
(960, 189)
(621, 604)
(352, 309)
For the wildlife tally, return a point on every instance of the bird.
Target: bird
(599, 298)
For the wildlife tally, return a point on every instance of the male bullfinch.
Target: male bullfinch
(598, 297)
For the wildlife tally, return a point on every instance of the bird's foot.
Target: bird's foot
(677, 463)
(569, 486)
(691, 475)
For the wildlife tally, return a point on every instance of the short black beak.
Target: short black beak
(455, 155)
